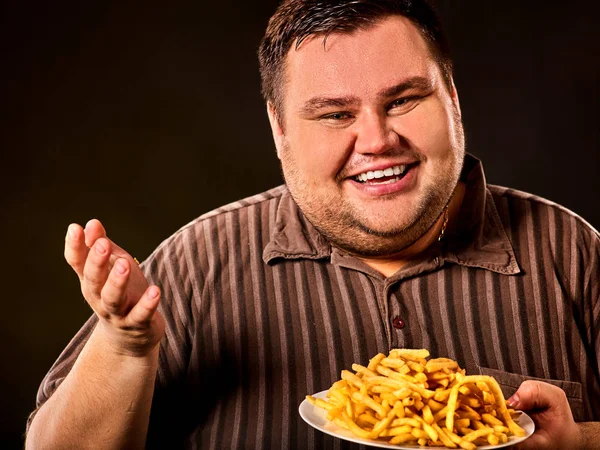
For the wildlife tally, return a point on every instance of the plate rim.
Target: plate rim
(305, 406)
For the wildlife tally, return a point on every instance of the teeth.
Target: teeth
(390, 181)
(390, 171)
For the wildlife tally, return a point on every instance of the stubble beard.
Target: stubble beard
(342, 226)
(347, 228)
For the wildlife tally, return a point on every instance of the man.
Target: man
(385, 235)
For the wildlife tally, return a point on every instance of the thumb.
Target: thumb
(538, 395)
(529, 396)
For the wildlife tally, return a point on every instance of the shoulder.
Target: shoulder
(184, 264)
(264, 199)
(254, 214)
(521, 210)
(552, 243)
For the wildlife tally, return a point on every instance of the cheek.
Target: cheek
(319, 153)
(430, 131)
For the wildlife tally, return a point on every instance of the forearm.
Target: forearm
(104, 402)
(589, 433)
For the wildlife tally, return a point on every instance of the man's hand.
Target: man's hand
(548, 407)
(116, 289)
(105, 400)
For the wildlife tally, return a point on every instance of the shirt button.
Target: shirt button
(398, 323)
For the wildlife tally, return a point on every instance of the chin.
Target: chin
(370, 245)
(388, 220)
(379, 231)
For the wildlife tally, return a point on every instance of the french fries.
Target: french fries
(406, 398)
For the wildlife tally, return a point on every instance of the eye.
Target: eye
(399, 102)
(336, 116)
(338, 119)
(403, 105)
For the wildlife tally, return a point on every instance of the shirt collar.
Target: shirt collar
(293, 236)
(478, 240)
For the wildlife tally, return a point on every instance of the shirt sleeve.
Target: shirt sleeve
(591, 321)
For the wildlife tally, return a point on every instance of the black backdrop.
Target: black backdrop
(147, 116)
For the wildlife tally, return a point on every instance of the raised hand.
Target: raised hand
(116, 289)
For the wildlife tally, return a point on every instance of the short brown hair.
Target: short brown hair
(296, 20)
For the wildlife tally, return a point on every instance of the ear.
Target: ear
(454, 97)
(276, 129)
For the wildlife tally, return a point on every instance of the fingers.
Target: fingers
(76, 251)
(549, 408)
(143, 311)
(78, 242)
(533, 395)
(95, 271)
(93, 231)
(113, 294)
(116, 289)
(109, 289)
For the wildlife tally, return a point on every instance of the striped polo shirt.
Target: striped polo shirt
(261, 310)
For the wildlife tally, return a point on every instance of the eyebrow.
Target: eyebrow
(418, 83)
(316, 103)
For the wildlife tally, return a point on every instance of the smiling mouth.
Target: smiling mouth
(390, 175)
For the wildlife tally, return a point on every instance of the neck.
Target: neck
(390, 265)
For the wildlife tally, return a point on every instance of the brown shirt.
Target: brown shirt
(261, 310)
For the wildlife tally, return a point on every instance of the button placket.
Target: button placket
(396, 317)
(398, 323)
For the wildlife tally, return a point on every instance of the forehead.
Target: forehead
(366, 59)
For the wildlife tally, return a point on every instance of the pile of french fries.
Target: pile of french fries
(406, 398)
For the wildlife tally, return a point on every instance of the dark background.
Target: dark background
(147, 116)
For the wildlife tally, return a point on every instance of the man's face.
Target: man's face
(372, 145)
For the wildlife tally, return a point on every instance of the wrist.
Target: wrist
(118, 344)
(588, 435)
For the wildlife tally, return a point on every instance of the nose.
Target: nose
(374, 134)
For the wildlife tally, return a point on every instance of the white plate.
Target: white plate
(316, 417)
